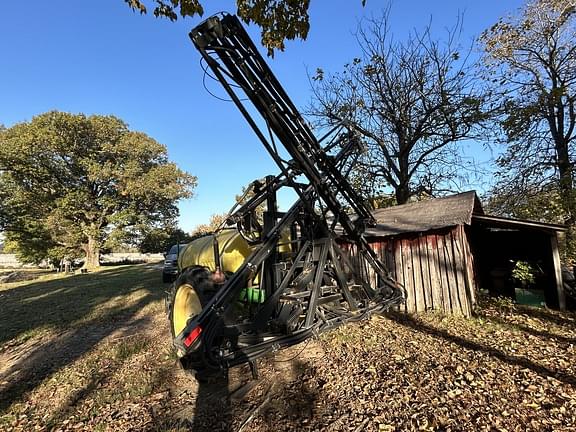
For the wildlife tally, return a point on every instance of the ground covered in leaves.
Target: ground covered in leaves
(92, 352)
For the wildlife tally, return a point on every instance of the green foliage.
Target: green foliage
(159, 240)
(542, 204)
(278, 19)
(531, 64)
(72, 182)
(215, 222)
(524, 273)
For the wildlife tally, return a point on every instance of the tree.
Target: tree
(160, 239)
(531, 59)
(216, 221)
(410, 101)
(278, 19)
(535, 203)
(70, 182)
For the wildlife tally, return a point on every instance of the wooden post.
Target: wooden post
(460, 270)
(435, 278)
(470, 269)
(451, 273)
(442, 265)
(399, 267)
(412, 305)
(425, 265)
(558, 272)
(417, 270)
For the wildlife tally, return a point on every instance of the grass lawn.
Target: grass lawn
(65, 339)
(92, 352)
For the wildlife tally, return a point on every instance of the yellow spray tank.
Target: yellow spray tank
(234, 249)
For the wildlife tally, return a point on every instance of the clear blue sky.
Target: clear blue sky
(98, 57)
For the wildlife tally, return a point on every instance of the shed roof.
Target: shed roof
(499, 222)
(426, 215)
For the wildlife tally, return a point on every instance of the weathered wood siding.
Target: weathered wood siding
(436, 269)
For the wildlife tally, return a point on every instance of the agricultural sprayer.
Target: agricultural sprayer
(272, 279)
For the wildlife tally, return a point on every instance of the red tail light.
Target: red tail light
(192, 336)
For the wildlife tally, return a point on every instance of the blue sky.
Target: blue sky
(98, 57)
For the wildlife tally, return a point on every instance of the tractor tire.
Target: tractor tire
(189, 294)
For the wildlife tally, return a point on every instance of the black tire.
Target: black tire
(166, 278)
(199, 280)
(197, 277)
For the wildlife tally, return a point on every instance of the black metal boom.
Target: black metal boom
(319, 284)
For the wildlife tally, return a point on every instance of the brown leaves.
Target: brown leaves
(443, 373)
(507, 369)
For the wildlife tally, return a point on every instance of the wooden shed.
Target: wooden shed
(444, 250)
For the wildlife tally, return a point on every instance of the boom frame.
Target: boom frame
(320, 284)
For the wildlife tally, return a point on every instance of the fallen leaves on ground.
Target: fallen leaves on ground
(509, 368)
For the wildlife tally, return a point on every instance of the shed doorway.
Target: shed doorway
(506, 257)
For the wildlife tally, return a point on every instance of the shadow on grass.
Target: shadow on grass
(234, 401)
(213, 410)
(525, 329)
(99, 378)
(57, 304)
(411, 322)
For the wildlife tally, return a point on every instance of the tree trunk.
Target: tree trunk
(567, 196)
(402, 193)
(92, 250)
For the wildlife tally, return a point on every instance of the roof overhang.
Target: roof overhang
(505, 223)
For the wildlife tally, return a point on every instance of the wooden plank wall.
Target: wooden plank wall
(436, 269)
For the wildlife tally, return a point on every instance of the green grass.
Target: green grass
(128, 348)
(58, 302)
(111, 365)
(107, 332)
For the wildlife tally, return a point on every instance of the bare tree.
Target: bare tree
(411, 101)
(531, 59)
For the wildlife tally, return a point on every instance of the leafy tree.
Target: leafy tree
(160, 239)
(531, 59)
(535, 203)
(278, 19)
(70, 182)
(410, 102)
(216, 221)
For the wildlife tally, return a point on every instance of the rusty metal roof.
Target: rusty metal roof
(426, 215)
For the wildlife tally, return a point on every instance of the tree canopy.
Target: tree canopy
(159, 239)
(531, 61)
(410, 101)
(215, 222)
(71, 182)
(278, 19)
